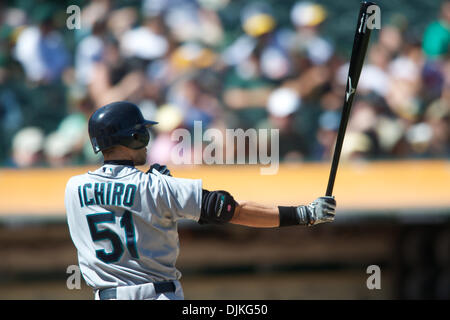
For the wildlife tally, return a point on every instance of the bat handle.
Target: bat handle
(333, 172)
(329, 192)
(337, 155)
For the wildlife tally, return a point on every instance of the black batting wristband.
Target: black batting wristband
(288, 216)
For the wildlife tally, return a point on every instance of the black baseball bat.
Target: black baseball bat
(360, 43)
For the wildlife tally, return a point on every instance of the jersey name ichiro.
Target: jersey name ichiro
(107, 193)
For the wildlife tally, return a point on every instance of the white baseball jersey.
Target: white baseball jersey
(123, 223)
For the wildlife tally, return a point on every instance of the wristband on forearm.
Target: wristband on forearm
(290, 216)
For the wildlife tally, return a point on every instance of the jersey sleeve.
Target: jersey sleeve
(181, 197)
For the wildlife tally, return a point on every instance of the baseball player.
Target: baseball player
(123, 221)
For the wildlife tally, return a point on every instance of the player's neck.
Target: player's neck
(120, 153)
(118, 158)
(120, 162)
(117, 154)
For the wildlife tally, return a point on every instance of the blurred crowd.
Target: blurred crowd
(182, 61)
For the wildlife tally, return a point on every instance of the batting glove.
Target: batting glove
(319, 211)
(160, 168)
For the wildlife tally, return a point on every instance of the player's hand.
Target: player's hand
(319, 211)
(160, 168)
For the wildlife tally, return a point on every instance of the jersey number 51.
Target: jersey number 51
(126, 222)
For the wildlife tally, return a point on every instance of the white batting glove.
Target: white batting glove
(319, 211)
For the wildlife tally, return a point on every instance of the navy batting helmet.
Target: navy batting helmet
(118, 123)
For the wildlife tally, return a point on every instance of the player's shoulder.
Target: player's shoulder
(74, 180)
(157, 178)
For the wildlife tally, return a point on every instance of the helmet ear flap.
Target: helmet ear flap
(138, 139)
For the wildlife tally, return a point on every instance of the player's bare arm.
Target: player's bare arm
(253, 214)
(261, 216)
(219, 207)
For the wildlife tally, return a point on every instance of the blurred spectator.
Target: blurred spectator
(361, 140)
(437, 118)
(88, 52)
(262, 41)
(246, 91)
(40, 48)
(259, 59)
(310, 52)
(145, 42)
(114, 77)
(248, 84)
(196, 101)
(282, 107)
(121, 19)
(169, 118)
(307, 18)
(92, 13)
(57, 149)
(374, 75)
(436, 39)
(406, 81)
(11, 116)
(189, 21)
(391, 39)
(435, 44)
(326, 135)
(27, 148)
